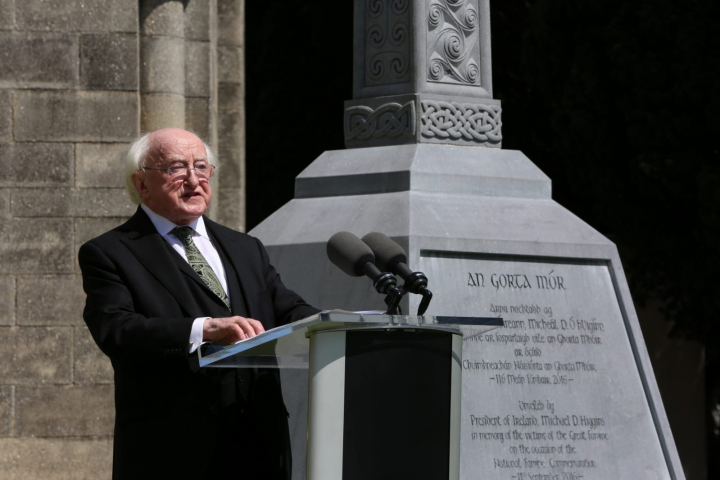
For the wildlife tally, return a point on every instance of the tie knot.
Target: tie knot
(184, 234)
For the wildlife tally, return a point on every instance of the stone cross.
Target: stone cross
(422, 74)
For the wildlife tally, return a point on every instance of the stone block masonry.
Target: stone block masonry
(4, 203)
(231, 108)
(61, 458)
(50, 300)
(64, 410)
(75, 116)
(91, 366)
(35, 245)
(36, 164)
(6, 411)
(42, 60)
(197, 112)
(7, 22)
(99, 164)
(7, 300)
(35, 355)
(197, 73)
(5, 116)
(84, 202)
(76, 15)
(109, 62)
(79, 79)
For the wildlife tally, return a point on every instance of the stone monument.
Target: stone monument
(565, 390)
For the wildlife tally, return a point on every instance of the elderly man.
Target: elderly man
(159, 285)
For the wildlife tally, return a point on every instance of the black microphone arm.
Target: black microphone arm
(355, 258)
(389, 256)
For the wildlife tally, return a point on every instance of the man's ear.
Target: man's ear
(139, 184)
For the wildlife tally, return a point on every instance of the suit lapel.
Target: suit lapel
(237, 299)
(151, 250)
(231, 252)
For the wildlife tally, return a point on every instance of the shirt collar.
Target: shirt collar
(165, 226)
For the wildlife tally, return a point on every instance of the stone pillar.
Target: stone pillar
(231, 112)
(422, 74)
(201, 77)
(192, 76)
(162, 64)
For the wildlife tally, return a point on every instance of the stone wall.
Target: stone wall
(78, 80)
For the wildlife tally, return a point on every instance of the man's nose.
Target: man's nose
(192, 177)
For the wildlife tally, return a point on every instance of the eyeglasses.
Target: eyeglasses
(176, 172)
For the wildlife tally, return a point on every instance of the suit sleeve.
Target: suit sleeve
(111, 316)
(288, 306)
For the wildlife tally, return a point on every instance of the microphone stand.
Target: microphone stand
(425, 302)
(392, 300)
(384, 282)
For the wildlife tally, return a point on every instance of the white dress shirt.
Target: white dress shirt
(204, 244)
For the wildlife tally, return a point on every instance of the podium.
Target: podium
(383, 391)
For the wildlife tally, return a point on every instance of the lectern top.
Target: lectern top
(287, 346)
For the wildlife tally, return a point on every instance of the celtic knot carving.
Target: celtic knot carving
(453, 41)
(387, 50)
(388, 120)
(473, 122)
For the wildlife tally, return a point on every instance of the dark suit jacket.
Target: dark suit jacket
(171, 418)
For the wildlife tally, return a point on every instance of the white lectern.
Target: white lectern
(384, 390)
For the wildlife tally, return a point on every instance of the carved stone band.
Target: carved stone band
(473, 122)
(388, 120)
(386, 42)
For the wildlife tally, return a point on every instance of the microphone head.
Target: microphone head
(349, 253)
(387, 253)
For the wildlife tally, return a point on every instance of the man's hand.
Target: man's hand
(231, 329)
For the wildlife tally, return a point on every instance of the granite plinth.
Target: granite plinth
(566, 389)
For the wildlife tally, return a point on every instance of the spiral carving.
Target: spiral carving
(387, 45)
(435, 15)
(436, 69)
(471, 18)
(453, 41)
(377, 69)
(399, 33)
(376, 36)
(472, 74)
(398, 67)
(453, 45)
(400, 6)
(375, 8)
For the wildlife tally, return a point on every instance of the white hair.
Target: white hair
(136, 157)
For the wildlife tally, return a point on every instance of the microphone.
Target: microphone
(390, 257)
(355, 258)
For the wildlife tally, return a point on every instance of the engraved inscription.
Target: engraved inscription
(555, 393)
(387, 47)
(453, 42)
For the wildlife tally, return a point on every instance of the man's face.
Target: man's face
(179, 200)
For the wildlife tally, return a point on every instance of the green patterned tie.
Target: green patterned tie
(199, 264)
